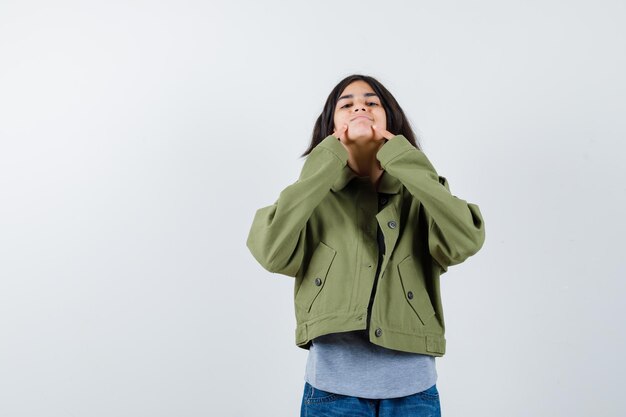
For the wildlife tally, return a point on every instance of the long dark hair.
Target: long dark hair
(397, 122)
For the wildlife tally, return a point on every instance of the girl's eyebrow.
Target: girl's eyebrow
(351, 96)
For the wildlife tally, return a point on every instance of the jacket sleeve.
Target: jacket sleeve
(277, 237)
(456, 229)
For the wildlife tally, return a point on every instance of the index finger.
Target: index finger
(342, 131)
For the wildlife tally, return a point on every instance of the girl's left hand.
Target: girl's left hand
(385, 133)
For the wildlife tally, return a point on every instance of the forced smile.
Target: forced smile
(362, 116)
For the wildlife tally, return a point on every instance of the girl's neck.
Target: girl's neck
(362, 160)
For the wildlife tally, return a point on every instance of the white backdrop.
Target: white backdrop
(138, 138)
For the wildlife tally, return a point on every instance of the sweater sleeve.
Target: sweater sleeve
(277, 237)
(456, 229)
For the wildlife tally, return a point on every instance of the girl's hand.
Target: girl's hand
(341, 135)
(386, 135)
(380, 131)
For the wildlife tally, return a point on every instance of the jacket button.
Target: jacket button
(392, 224)
(410, 295)
(378, 332)
(383, 200)
(318, 281)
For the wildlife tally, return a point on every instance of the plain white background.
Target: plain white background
(138, 138)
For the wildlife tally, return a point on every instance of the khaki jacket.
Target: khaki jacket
(322, 231)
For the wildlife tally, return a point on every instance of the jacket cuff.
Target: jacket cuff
(393, 148)
(332, 144)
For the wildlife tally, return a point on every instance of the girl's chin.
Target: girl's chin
(355, 137)
(361, 130)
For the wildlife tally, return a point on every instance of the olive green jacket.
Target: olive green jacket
(322, 231)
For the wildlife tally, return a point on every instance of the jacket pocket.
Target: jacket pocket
(315, 277)
(414, 287)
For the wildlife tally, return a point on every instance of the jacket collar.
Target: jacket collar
(388, 184)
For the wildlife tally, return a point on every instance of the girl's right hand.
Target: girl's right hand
(341, 135)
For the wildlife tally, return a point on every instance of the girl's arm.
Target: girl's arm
(456, 229)
(277, 238)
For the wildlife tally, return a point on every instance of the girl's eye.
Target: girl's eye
(369, 103)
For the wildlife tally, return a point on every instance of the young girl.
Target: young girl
(366, 231)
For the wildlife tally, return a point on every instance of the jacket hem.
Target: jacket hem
(426, 344)
(329, 323)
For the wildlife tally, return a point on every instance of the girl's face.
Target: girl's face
(359, 107)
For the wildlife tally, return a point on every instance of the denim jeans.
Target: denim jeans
(318, 403)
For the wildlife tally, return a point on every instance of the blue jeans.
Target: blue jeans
(318, 403)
